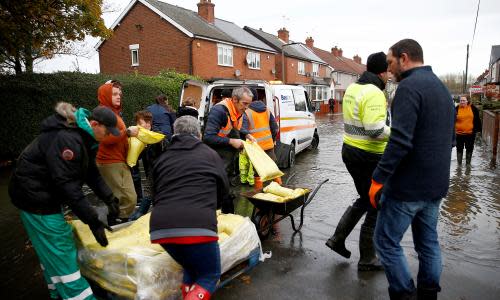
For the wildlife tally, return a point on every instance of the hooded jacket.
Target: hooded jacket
(112, 149)
(52, 169)
(189, 182)
(259, 106)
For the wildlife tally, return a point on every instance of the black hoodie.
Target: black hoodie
(189, 182)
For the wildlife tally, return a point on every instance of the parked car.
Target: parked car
(290, 105)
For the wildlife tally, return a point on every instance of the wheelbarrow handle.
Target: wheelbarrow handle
(316, 189)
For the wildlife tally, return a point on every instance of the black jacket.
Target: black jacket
(415, 165)
(189, 182)
(52, 169)
(477, 126)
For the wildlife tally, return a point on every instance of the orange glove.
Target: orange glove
(375, 193)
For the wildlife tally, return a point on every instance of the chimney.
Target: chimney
(283, 34)
(206, 10)
(310, 42)
(340, 51)
(335, 51)
(357, 59)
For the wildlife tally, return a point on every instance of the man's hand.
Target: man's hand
(375, 193)
(99, 234)
(133, 131)
(236, 143)
(251, 138)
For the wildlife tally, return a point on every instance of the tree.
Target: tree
(455, 82)
(30, 30)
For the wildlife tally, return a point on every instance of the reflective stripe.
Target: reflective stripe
(362, 132)
(66, 278)
(260, 129)
(87, 292)
(41, 266)
(51, 286)
(264, 138)
(366, 138)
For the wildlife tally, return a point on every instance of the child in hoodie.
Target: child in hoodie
(112, 154)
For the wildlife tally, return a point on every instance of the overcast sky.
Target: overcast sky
(442, 27)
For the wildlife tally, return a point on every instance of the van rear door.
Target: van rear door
(197, 90)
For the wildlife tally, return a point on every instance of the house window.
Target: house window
(315, 70)
(134, 54)
(224, 55)
(253, 60)
(301, 68)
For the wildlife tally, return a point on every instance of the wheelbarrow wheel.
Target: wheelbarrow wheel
(262, 222)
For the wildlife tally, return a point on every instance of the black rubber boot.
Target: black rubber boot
(427, 293)
(403, 295)
(346, 224)
(468, 158)
(460, 154)
(368, 260)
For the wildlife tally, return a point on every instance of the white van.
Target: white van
(289, 104)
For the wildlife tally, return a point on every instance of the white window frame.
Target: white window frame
(253, 60)
(315, 72)
(134, 49)
(225, 55)
(301, 68)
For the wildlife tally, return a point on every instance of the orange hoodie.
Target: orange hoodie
(112, 149)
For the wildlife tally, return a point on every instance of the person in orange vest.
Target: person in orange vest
(261, 124)
(224, 122)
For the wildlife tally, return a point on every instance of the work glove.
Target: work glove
(113, 205)
(375, 193)
(99, 234)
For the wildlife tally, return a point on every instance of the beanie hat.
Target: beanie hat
(377, 63)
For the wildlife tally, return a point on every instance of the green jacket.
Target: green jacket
(365, 112)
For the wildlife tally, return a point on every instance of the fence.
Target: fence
(491, 124)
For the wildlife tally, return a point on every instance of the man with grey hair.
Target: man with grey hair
(224, 122)
(189, 184)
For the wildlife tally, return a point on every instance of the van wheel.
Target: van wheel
(291, 155)
(314, 142)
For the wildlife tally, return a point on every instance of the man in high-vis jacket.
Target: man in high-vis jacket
(365, 137)
(224, 122)
(261, 124)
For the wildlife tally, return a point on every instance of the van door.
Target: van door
(197, 90)
(291, 119)
(305, 116)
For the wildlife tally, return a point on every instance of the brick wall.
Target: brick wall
(291, 71)
(161, 45)
(205, 63)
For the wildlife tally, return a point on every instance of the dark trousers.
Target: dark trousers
(361, 165)
(466, 140)
(136, 177)
(201, 263)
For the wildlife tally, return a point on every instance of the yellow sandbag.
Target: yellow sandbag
(135, 147)
(275, 188)
(148, 136)
(262, 163)
(268, 197)
(137, 144)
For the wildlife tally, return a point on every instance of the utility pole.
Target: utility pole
(466, 69)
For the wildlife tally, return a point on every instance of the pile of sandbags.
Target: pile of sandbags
(133, 268)
(276, 193)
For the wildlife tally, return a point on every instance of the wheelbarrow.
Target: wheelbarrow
(265, 213)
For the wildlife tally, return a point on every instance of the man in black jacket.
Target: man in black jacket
(189, 182)
(50, 172)
(414, 172)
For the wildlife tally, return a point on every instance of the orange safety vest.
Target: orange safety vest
(258, 126)
(234, 119)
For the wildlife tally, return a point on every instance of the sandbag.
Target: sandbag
(262, 163)
(137, 144)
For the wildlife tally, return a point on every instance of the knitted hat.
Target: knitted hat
(377, 63)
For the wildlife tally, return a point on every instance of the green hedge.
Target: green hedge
(28, 99)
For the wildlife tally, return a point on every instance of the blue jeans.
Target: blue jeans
(201, 263)
(393, 220)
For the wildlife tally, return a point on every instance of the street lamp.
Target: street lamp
(283, 59)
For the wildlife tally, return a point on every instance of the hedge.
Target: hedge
(28, 99)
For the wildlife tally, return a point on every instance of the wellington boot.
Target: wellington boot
(346, 225)
(427, 293)
(403, 295)
(196, 293)
(460, 154)
(368, 260)
(468, 158)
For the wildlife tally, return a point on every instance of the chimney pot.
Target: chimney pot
(206, 10)
(310, 42)
(283, 34)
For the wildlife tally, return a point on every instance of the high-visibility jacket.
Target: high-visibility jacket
(365, 111)
(258, 127)
(234, 119)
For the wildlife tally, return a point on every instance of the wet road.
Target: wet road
(302, 267)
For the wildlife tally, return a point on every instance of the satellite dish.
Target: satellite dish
(237, 72)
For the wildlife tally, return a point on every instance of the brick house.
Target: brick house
(150, 36)
(302, 66)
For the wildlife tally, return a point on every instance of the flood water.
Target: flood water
(469, 228)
